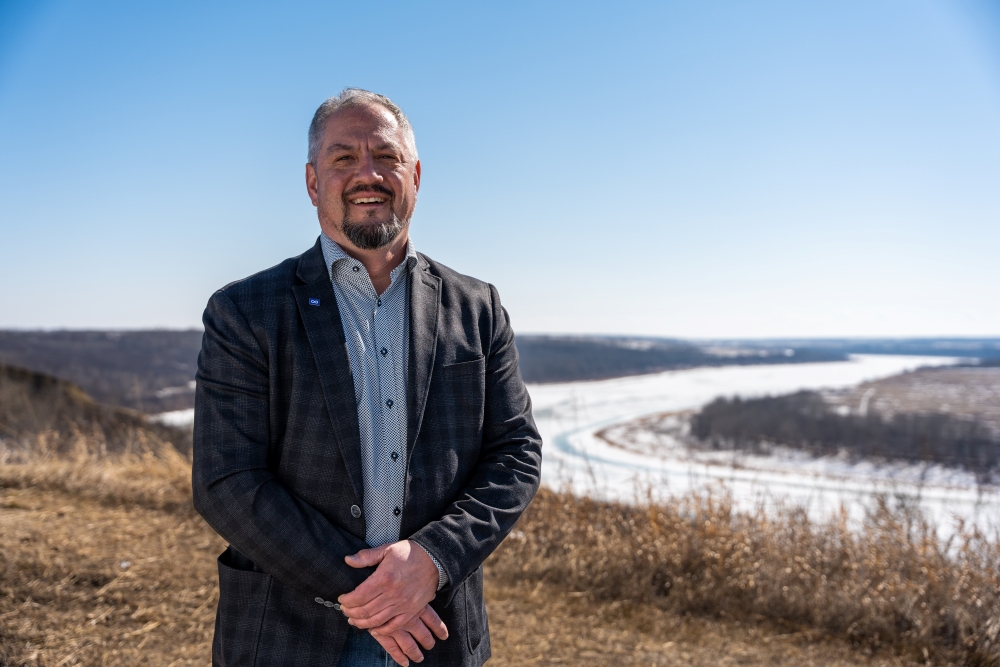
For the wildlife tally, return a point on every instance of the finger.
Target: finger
(419, 631)
(381, 610)
(387, 621)
(365, 610)
(367, 591)
(392, 648)
(367, 557)
(415, 626)
(377, 612)
(433, 622)
(410, 648)
(398, 624)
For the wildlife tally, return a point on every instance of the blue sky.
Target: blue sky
(690, 169)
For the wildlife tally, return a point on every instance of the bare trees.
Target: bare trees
(804, 420)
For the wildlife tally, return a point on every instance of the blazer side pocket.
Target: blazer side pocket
(243, 594)
(475, 609)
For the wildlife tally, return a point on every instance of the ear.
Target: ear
(312, 184)
(416, 176)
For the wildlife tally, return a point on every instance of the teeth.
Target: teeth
(368, 200)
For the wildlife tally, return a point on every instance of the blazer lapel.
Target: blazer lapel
(321, 317)
(425, 301)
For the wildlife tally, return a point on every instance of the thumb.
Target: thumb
(367, 557)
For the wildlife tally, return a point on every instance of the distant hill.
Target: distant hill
(979, 348)
(149, 371)
(153, 371)
(33, 403)
(574, 358)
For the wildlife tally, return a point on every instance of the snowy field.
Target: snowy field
(569, 415)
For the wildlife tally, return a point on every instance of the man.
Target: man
(363, 438)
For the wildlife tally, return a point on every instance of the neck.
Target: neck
(379, 262)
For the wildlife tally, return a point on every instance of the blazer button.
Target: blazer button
(337, 607)
(327, 604)
(355, 511)
(320, 600)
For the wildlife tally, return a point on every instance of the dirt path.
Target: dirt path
(84, 583)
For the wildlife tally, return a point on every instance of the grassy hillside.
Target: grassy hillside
(85, 581)
(38, 410)
(106, 563)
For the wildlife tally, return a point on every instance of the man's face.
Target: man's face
(365, 180)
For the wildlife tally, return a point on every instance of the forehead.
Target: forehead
(363, 124)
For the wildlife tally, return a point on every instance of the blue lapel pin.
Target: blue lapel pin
(313, 302)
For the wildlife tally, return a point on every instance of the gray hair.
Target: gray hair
(352, 97)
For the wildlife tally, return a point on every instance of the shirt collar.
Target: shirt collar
(333, 253)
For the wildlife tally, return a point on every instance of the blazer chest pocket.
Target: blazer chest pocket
(474, 367)
(455, 404)
(243, 593)
(461, 389)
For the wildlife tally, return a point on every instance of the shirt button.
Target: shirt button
(355, 511)
(379, 302)
(389, 403)
(384, 351)
(397, 511)
(356, 268)
(394, 456)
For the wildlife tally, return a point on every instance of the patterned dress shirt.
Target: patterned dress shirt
(376, 328)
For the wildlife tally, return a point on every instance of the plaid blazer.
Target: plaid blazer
(277, 461)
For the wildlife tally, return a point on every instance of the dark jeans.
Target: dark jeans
(361, 650)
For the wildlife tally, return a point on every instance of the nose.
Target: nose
(368, 171)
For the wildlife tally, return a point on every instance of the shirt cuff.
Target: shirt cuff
(442, 575)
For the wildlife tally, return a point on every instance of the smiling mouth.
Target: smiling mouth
(368, 200)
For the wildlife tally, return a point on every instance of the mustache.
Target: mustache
(366, 189)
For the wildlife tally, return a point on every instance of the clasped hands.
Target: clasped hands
(392, 604)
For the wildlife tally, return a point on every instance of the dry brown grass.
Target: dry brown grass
(579, 582)
(66, 600)
(890, 585)
(84, 582)
(152, 475)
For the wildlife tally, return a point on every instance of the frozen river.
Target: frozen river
(569, 415)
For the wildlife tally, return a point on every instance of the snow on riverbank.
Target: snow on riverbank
(177, 418)
(569, 416)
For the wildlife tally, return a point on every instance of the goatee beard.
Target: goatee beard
(372, 236)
